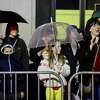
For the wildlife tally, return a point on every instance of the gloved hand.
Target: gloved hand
(21, 95)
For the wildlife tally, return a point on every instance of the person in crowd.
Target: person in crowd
(13, 57)
(71, 49)
(53, 61)
(90, 59)
(35, 59)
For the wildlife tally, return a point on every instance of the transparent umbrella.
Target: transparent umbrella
(72, 34)
(48, 33)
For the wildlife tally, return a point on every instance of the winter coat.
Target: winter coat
(34, 58)
(87, 59)
(87, 56)
(74, 60)
(53, 81)
(17, 61)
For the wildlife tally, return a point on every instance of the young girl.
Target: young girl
(55, 62)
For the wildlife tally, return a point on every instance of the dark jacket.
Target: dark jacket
(72, 59)
(67, 51)
(35, 58)
(87, 56)
(19, 61)
(87, 59)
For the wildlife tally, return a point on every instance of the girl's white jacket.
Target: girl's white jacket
(51, 80)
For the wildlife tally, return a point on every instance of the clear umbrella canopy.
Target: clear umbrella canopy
(47, 34)
(73, 34)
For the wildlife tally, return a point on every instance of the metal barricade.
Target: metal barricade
(81, 84)
(26, 73)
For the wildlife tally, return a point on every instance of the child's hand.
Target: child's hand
(57, 68)
(39, 53)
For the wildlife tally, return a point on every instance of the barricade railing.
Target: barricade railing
(26, 74)
(80, 75)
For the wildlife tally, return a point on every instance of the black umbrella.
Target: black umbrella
(10, 16)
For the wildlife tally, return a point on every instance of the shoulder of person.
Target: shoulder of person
(20, 39)
(44, 62)
(21, 42)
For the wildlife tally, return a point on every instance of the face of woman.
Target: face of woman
(13, 31)
(57, 48)
(95, 30)
(73, 36)
(45, 55)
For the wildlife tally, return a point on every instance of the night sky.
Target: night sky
(67, 4)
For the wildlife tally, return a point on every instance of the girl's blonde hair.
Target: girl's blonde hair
(61, 58)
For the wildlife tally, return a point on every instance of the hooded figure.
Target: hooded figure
(19, 57)
(13, 57)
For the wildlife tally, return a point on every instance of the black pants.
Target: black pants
(9, 97)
